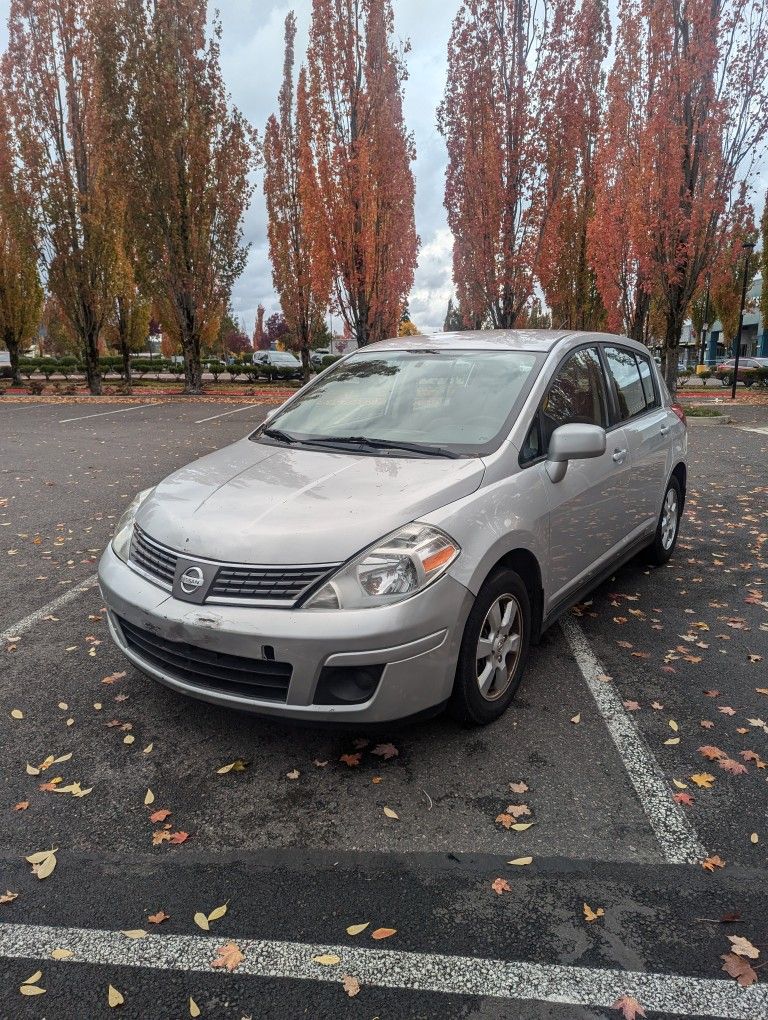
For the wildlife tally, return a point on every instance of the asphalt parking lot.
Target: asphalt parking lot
(598, 754)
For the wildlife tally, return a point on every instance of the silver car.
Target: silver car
(397, 535)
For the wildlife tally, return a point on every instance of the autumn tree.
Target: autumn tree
(728, 271)
(21, 295)
(57, 338)
(505, 116)
(764, 263)
(356, 179)
(687, 116)
(127, 324)
(187, 156)
(565, 273)
(50, 81)
(304, 290)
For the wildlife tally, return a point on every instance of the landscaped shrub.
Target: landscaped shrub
(682, 377)
(68, 366)
(705, 375)
(215, 368)
(28, 367)
(330, 359)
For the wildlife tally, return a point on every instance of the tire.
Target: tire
(749, 382)
(468, 704)
(726, 380)
(664, 541)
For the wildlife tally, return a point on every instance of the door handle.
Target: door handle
(619, 455)
(664, 430)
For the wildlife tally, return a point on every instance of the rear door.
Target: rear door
(588, 507)
(646, 423)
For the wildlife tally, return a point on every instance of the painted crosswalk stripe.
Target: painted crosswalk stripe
(426, 972)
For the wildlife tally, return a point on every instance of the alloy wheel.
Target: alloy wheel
(669, 515)
(498, 647)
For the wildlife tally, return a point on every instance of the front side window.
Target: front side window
(629, 388)
(576, 394)
(460, 401)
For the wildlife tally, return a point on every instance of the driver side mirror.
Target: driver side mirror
(575, 441)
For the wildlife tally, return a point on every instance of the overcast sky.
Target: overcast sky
(252, 57)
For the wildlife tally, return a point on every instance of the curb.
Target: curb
(720, 419)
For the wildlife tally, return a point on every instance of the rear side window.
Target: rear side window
(628, 384)
(646, 377)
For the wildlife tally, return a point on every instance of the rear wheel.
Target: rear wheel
(494, 650)
(665, 539)
(726, 379)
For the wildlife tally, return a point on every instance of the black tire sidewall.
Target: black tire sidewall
(467, 704)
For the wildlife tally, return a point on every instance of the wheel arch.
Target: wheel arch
(527, 566)
(680, 472)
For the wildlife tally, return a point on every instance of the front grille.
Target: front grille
(214, 671)
(152, 557)
(284, 584)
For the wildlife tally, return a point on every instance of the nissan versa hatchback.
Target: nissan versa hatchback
(399, 533)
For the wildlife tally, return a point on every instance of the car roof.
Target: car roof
(536, 340)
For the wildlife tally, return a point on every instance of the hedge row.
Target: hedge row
(71, 366)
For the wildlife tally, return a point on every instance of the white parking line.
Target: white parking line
(677, 837)
(225, 413)
(101, 414)
(17, 629)
(426, 972)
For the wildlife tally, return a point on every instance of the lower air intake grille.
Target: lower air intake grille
(260, 679)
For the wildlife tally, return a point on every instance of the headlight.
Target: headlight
(397, 567)
(121, 541)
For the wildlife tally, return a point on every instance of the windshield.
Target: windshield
(282, 358)
(459, 401)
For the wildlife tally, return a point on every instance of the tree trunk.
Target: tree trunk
(14, 351)
(126, 356)
(92, 372)
(671, 344)
(193, 371)
(305, 362)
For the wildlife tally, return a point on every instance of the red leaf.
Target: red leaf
(629, 1007)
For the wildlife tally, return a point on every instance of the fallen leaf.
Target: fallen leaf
(114, 998)
(672, 740)
(591, 915)
(293, 774)
(201, 920)
(31, 990)
(506, 820)
(385, 751)
(43, 863)
(706, 724)
(738, 968)
(734, 767)
(500, 885)
(61, 954)
(21, 806)
(391, 814)
(630, 1007)
(327, 959)
(158, 918)
(160, 815)
(516, 810)
(710, 863)
(521, 826)
(576, 719)
(383, 933)
(743, 947)
(179, 837)
(680, 785)
(518, 788)
(149, 798)
(194, 1009)
(754, 838)
(351, 759)
(350, 985)
(673, 726)
(229, 956)
(239, 765)
(8, 896)
(712, 753)
(16, 713)
(33, 978)
(355, 929)
(135, 933)
(218, 912)
(520, 861)
(683, 798)
(632, 706)
(128, 738)
(703, 780)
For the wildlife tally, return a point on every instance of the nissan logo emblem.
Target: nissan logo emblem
(192, 579)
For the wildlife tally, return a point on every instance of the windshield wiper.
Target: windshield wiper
(382, 444)
(283, 437)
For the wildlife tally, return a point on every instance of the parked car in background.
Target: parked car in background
(5, 365)
(279, 364)
(316, 357)
(397, 535)
(747, 370)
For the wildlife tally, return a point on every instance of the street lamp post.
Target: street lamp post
(748, 247)
(705, 327)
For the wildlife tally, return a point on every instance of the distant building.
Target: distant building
(754, 335)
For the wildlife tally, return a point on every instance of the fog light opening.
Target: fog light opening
(347, 685)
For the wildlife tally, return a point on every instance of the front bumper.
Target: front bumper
(417, 643)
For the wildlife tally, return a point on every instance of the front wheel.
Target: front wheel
(494, 650)
(726, 380)
(665, 539)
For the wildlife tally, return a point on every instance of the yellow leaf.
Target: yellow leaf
(754, 838)
(679, 785)
(45, 869)
(61, 954)
(33, 979)
(114, 998)
(32, 771)
(40, 856)
(135, 933)
(32, 990)
(194, 1009)
(673, 726)
(148, 749)
(591, 915)
(128, 738)
(327, 959)
(521, 826)
(201, 920)
(61, 758)
(355, 929)
(703, 780)
(218, 912)
(390, 813)
(521, 860)
(577, 718)
(149, 798)
(672, 740)
(16, 713)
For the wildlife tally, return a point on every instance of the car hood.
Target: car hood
(255, 503)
